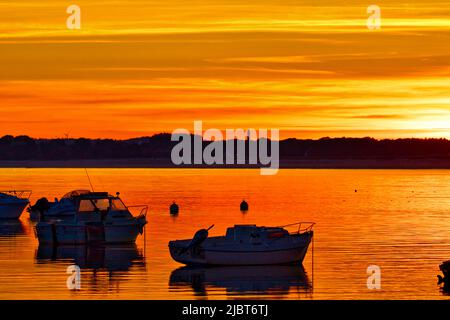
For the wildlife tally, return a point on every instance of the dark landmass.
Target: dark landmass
(155, 151)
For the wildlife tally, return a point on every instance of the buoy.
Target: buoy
(244, 205)
(174, 209)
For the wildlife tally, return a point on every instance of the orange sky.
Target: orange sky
(309, 68)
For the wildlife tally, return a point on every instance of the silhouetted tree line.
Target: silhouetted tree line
(160, 146)
(364, 148)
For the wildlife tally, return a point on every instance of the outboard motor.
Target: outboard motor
(41, 206)
(199, 237)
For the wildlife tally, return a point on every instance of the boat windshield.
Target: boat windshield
(75, 193)
(118, 205)
(91, 205)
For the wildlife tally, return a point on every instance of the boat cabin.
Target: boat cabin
(100, 206)
(243, 233)
(76, 193)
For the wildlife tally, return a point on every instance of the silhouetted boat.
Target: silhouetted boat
(99, 218)
(12, 203)
(64, 207)
(242, 279)
(245, 245)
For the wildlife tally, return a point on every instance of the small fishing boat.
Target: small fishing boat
(12, 203)
(64, 207)
(245, 245)
(99, 218)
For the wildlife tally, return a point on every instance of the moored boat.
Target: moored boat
(245, 245)
(13, 203)
(99, 218)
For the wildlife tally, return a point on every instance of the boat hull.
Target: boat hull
(61, 213)
(292, 253)
(12, 210)
(62, 233)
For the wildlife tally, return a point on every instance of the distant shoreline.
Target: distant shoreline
(284, 164)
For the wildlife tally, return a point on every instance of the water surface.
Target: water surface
(396, 219)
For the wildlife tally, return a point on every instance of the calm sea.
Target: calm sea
(398, 220)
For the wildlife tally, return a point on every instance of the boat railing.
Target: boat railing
(300, 227)
(141, 208)
(22, 194)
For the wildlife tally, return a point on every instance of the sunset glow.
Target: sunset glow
(309, 68)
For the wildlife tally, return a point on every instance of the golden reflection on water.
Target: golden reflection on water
(396, 219)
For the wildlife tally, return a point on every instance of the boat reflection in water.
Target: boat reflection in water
(243, 280)
(11, 228)
(102, 265)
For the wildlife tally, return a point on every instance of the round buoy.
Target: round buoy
(244, 205)
(174, 208)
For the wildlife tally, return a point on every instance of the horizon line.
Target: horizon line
(246, 138)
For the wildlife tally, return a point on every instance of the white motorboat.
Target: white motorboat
(12, 203)
(245, 245)
(64, 207)
(99, 218)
